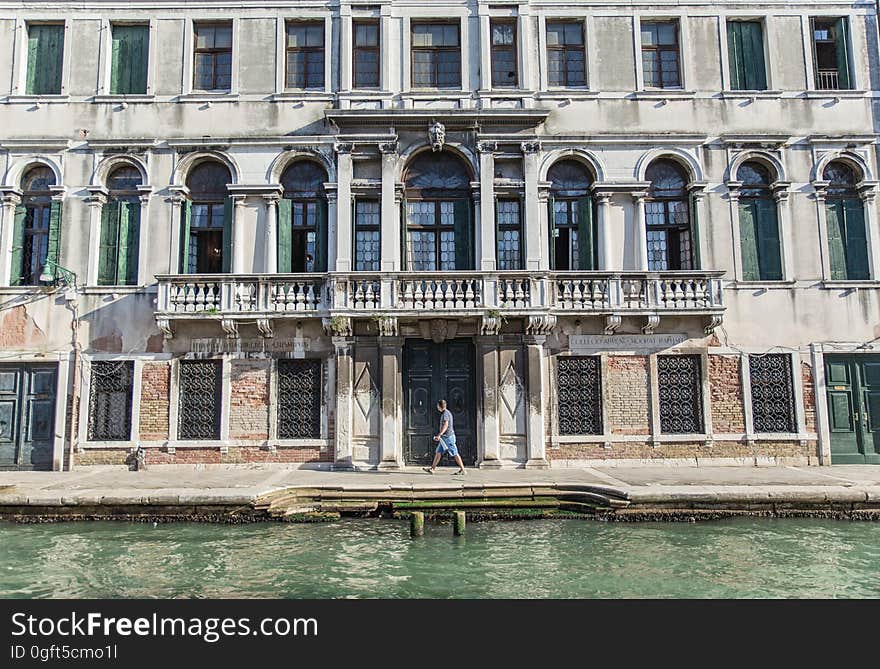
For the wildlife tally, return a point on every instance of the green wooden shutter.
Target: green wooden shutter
(139, 59)
(108, 249)
(834, 222)
(33, 59)
(129, 236)
(696, 259)
(735, 55)
(856, 241)
(404, 231)
(841, 42)
(748, 240)
(129, 60)
(753, 52)
(45, 59)
(284, 235)
(185, 216)
(54, 246)
(769, 256)
(16, 271)
(321, 237)
(586, 234)
(551, 229)
(227, 234)
(118, 62)
(462, 211)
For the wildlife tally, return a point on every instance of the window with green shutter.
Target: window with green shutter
(845, 225)
(129, 56)
(745, 48)
(36, 229)
(120, 229)
(758, 225)
(831, 54)
(45, 58)
(572, 233)
(302, 219)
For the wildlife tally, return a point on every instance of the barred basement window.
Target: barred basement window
(199, 399)
(299, 399)
(110, 401)
(772, 393)
(679, 383)
(579, 391)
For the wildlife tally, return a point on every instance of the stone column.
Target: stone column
(820, 188)
(527, 50)
(781, 193)
(640, 232)
(391, 260)
(391, 440)
(344, 378)
(344, 172)
(537, 252)
(346, 40)
(238, 234)
(332, 221)
(485, 52)
(536, 448)
(606, 255)
(177, 200)
(698, 190)
(10, 200)
(270, 252)
(96, 201)
(146, 196)
(868, 194)
(487, 352)
(487, 245)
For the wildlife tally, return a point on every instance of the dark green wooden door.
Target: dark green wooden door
(853, 389)
(27, 416)
(432, 372)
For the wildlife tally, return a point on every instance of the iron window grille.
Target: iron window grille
(199, 399)
(680, 390)
(305, 54)
(772, 393)
(660, 56)
(366, 54)
(213, 57)
(566, 57)
(579, 395)
(110, 395)
(299, 399)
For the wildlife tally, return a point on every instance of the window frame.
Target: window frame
(218, 400)
(658, 49)
(215, 52)
(307, 51)
(24, 71)
(766, 61)
(699, 394)
(371, 227)
(91, 437)
(413, 49)
(518, 226)
(436, 229)
(514, 48)
(565, 48)
(847, 48)
(111, 27)
(355, 49)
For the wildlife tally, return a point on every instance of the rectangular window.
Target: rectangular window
(110, 401)
(213, 57)
(660, 59)
(367, 236)
(44, 59)
(199, 399)
(504, 71)
(831, 53)
(299, 399)
(305, 54)
(566, 58)
(509, 220)
(579, 394)
(128, 59)
(366, 54)
(436, 55)
(745, 48)
(772, 393)
(680, 385)
(118, 244)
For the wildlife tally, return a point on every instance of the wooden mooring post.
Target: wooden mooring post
(458, 524)
(417, 524)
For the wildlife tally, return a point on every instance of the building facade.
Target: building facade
(604, 233)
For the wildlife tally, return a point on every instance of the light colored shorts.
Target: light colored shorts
(448, 445)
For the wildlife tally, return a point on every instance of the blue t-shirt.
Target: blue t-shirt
(446, 416)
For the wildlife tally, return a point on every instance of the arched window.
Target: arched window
(120, 228)
(668, 218)
(36, 229)
(572, 233)
(845, 221)
(302, 219)
(206, 231)
(758, 225)
(438, 213)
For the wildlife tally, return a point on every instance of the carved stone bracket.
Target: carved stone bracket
(491, 324)
(388, 326)
(343, 147)
(532, 146)
(438, 330)
(715, 321)
(338, 326)
(164, 325)
(651, 324)
(264, 325)
(487, 147)
(388, 147)
(540, 324)
(230, 327)
(612, 322)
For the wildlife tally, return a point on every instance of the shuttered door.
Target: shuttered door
(284, 236)
(128, 75)
(108, 246)
(856, 241)
(129, 237)
(227, 234)
(45, 58)
(586, 234)
(321, 237)
(54, 245)
(185, 216)
(841, 42)
(462, 212)
(769, 258)
(745, 47)
(551, 229)
(16, 271)
(748, 240)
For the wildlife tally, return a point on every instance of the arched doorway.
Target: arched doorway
(302, 219)
(206, 233)
(572, 227)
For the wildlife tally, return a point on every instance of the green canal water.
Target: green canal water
(376, 558)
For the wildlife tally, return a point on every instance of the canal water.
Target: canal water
(376, 558)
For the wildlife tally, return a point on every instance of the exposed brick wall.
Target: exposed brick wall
(203, 456)
(627, 385)
(249, 400)
(725, 389)
(155, 389)
(809, 396)
(101, 456)
(718, 449)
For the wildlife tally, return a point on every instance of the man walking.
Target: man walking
(445, 439)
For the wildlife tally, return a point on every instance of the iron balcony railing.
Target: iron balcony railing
(827, 80)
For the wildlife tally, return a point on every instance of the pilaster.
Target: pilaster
(487, 352)
(487, 204)
(344, 379)
(390, 442)
(537, 365)
(344, 171)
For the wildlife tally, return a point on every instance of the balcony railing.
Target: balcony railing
(827, 80)
(451, 293)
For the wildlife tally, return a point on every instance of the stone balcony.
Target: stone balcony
(263, 298)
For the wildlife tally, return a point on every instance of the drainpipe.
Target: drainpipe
(71, 299)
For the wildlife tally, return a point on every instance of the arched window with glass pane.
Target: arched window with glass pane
(36, 229)
(438, 214)
(758, 225)
(302, 219)
(572, 229)
(845, 222)
(206, 230)
(120, 228)
(668, 218)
